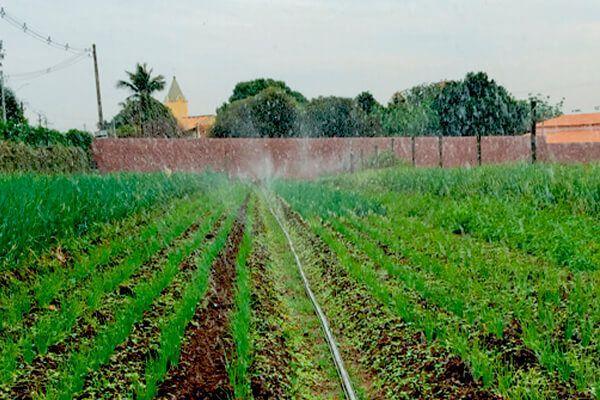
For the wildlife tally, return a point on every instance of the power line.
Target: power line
(47, 39)
(45, 71)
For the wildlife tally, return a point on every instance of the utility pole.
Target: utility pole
(2, 80)
(98, 96)
(533, 133)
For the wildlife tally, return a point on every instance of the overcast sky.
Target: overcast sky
(318, 47)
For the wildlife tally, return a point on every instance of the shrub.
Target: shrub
(39, 136)
(18, 156)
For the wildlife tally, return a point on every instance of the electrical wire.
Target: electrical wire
(57, 67)
(47, 39)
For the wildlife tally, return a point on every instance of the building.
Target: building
(571, 128)
(196, 125)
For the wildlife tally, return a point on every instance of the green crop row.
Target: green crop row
(18, 297)
(37, 210)
(71, 376)
(552, 233)
(540, 185)
(239, 364)
(489, 290)
(52, 326)
(173, 329)
(312, 199)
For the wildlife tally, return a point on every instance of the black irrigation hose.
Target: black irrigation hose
(337, 358)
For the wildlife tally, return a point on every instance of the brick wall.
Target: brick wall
(305, 158)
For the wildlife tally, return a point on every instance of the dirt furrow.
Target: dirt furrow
(126, 365)
(201, 372)
(34, 376)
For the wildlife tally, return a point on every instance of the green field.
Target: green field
(458, 284)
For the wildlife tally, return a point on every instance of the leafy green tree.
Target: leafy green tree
(334, 117)
(544, 109)
(274, 113)
(367, 102)
(142, 85)
(412, 112)
(234, 120)
(14, 112)
(479, 106)
(396, 100)
(153, 119)
(244, 90)
(271, 113)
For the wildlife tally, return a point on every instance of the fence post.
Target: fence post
(479, 149)
(392, 145)
(376, 156)
(362, 160)
(351, 161)
(440, 150)
(412, 150)
(533, 133)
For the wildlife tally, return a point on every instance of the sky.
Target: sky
(328, 47)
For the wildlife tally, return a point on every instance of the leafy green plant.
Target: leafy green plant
(239, 365)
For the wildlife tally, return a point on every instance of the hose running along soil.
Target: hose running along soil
(337, 358)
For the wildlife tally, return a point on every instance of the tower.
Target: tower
(176, 101)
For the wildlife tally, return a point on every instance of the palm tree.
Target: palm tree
(142, 84)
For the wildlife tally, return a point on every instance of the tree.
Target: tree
(244, 90)
(142, 85)
(412, 112)
(367, 102)
(479, 106)
(14, 112)
(152, 120)
(544, 109)
(270, 113)
(274, 113)
(396, 100)
(334, 117)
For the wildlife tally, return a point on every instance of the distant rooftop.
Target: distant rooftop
(571, 128)
(572, 121)
(175, 94)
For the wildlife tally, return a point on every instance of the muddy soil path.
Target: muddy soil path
(202, 369)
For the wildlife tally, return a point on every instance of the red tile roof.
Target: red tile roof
(572, 120)
(203, 122)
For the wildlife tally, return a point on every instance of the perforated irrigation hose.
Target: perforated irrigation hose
(337, 358)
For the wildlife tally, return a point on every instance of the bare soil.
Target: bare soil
(201, 372)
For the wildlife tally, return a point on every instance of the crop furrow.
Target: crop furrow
(71, 374)
(125, 367)
(271, 367)
(53, 326)
(202, 368)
